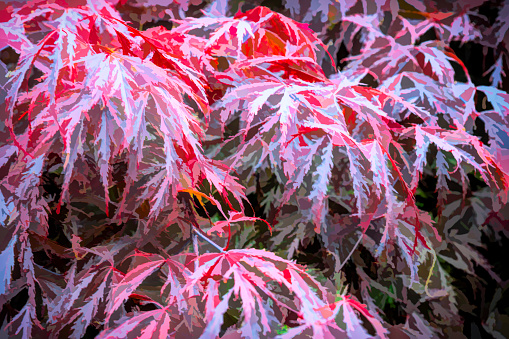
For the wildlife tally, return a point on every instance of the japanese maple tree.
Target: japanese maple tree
(319, 169)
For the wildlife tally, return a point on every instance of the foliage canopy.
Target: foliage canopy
(236, 172)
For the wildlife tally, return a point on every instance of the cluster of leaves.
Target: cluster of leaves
(159, 182)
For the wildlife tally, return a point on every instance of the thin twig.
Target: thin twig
(198, 231)
(204, 237)
(195, 248)
(349, 254)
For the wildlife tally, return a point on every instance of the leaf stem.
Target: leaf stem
(195, 248)
(204, 237)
